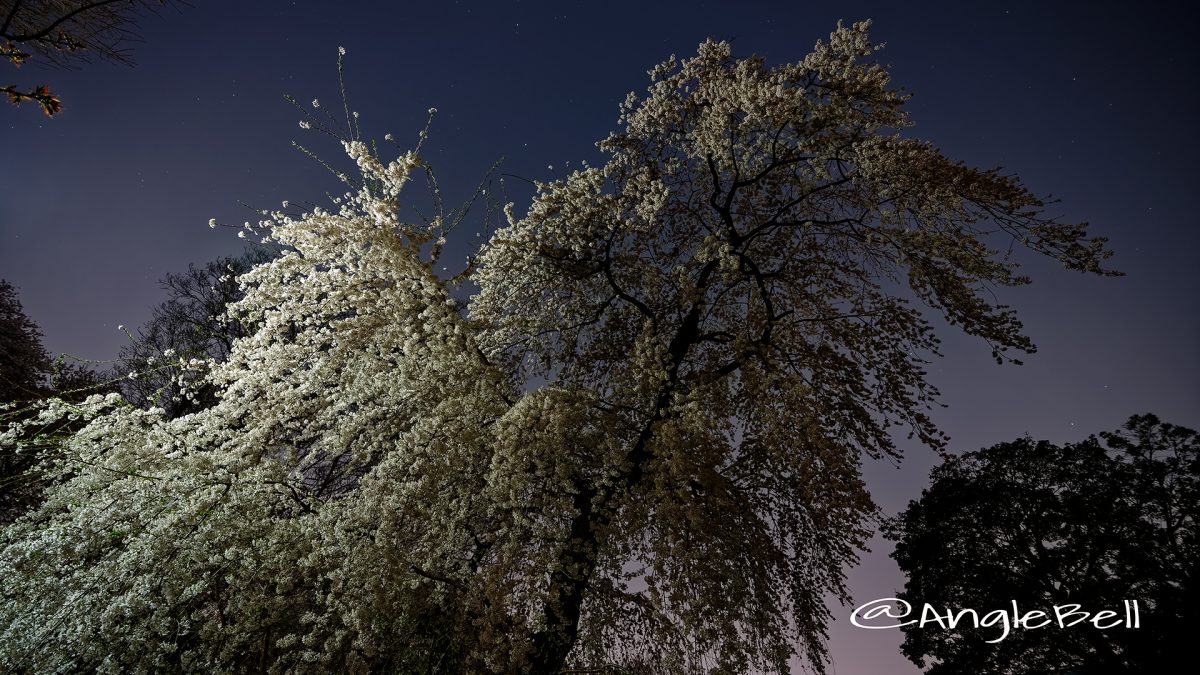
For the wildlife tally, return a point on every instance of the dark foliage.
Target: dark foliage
(1093, 523)
(188, 325)
(27, 375)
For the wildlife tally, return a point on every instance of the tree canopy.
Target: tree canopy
(24, 363)
(29, 375)
(190, 324)
(639, 443)
(1092, 523)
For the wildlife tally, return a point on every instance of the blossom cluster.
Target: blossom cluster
(639, 444)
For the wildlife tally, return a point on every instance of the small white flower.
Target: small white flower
(285, 203)
(341, 51)
(121, 327)
(212, 222)
(316, 103)
(305, 125)
(432, 110)
(387, 137)
(355, 113)
(241, 234)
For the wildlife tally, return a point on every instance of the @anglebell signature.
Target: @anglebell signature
(887, 613)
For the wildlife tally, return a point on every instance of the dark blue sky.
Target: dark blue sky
(1093, 102)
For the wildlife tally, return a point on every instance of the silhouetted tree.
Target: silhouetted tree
(27, 374)
(1093, 523)
(66, 33)
(24, 367)
(189, 324)
(24, 363)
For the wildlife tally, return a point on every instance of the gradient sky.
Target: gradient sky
(1092, 102)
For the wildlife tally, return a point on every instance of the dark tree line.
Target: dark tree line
(1093, 523)
(28, 374)
(189, 324)
(24, 363)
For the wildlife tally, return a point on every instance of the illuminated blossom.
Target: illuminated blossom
(639, 443)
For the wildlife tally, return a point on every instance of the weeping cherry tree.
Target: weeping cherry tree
(638, 444)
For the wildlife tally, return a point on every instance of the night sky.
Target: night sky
(1093, 103)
